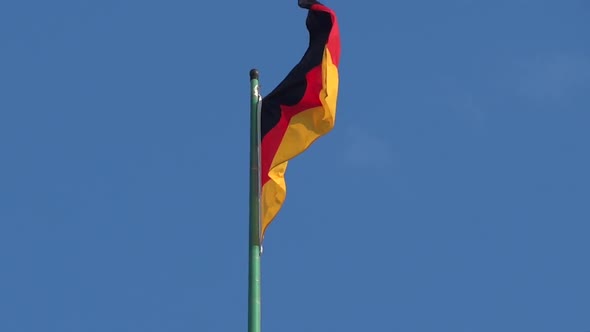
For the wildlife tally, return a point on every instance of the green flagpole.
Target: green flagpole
(254, 316)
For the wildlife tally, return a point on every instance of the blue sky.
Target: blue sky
(452, 195)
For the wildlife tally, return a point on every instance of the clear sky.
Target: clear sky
(452, 195)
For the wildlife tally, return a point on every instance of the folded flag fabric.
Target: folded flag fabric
(300, 109)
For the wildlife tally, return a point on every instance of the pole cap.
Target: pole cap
(254, 74)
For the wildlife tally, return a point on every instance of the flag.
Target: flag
(300, 109)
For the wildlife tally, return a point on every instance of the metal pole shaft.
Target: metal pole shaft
(254, 315)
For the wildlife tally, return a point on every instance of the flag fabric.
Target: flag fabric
(300, 109)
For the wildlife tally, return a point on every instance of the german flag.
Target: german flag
(300, 109)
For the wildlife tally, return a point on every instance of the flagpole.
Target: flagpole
(254, 315)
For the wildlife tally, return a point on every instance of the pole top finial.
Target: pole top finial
(254, 74)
